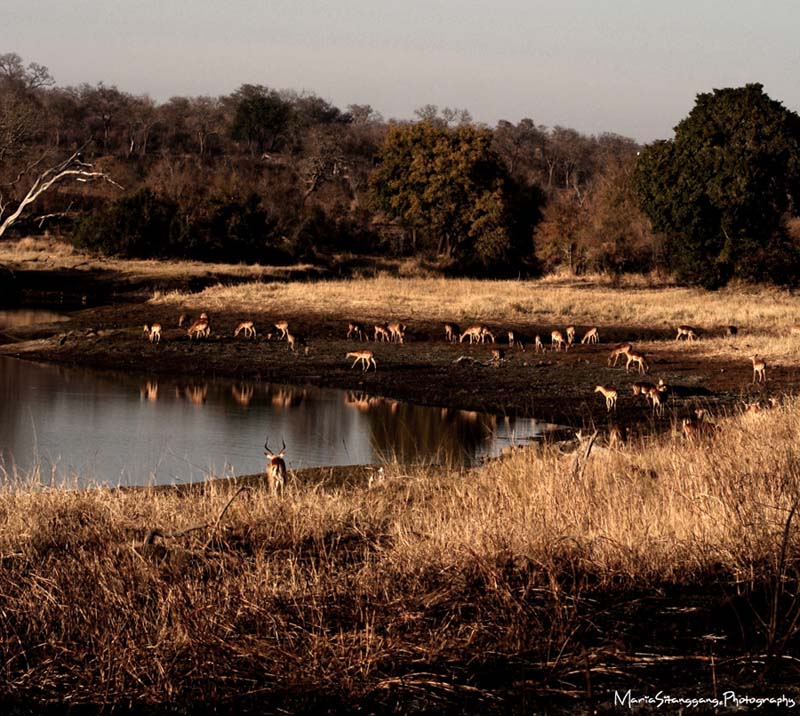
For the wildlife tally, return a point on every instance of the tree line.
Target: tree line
(274, 176)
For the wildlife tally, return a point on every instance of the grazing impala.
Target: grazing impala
(639, 359)
(283, 327)
(476, 334)
(451, 332)
(557, 340)
(246, 328)
(276, 468)
(621, 349)
(610, 394)
(686, 332)
(382, 333)
(759, 369)
(153, 332)
(538, 345)
(199, 329)
(366, 357)
(294, 340)
(357, 330)
(397, 331)
(591, 336)
(515, 340)
(570, 335)
(642, 388)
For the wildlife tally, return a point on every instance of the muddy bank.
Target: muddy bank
(555, 386)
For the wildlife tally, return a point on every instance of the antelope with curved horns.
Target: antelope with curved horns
(276, 468)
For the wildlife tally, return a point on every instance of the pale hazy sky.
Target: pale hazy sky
(627, 66)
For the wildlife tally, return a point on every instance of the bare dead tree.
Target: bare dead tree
(73, 168)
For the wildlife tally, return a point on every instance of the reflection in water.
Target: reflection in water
(115, 428)
(19, 317)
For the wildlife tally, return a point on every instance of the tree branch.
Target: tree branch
(72, 168)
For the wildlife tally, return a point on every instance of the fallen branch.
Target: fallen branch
(158, 532)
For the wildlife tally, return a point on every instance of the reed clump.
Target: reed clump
(534, 577)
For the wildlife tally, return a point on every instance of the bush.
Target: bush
(136, 226)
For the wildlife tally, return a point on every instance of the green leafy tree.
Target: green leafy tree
(261, 118)
(721, 190)
(451, 187)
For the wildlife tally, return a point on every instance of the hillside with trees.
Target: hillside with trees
(275, 176)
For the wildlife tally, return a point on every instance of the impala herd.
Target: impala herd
(478, 333)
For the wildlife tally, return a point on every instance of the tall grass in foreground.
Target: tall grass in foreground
(484, 586)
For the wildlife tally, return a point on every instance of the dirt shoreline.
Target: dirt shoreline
(553, 386)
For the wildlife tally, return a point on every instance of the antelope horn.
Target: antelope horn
(269, 452)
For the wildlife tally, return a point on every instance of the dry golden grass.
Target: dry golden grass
(409, 592)
(763, 315)
(44, 253)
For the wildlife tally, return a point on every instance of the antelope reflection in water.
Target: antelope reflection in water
(243, 393)
(286, 397)
(149, 391)
(403, 432)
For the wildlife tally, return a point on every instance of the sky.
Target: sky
(632, 67)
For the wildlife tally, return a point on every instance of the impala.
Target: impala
(357, 330)
(247, 328)
(654, 396)
(759, 369)
(382, 332)
(570, 335)
(475, 333)
(621, 349)
(591, 336)
(538, 345)
(367, 358)
(642, 388)
(283, 327)
(153, 332)
(293, 340)
(639, 359)
(397, 331)
(183, 320)
(199, 329)
(451, 332)
(276, 468)
(515, 340)
(610, 394)
(688, 332)
(557, 340)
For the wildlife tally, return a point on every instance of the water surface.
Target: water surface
(114, 428)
